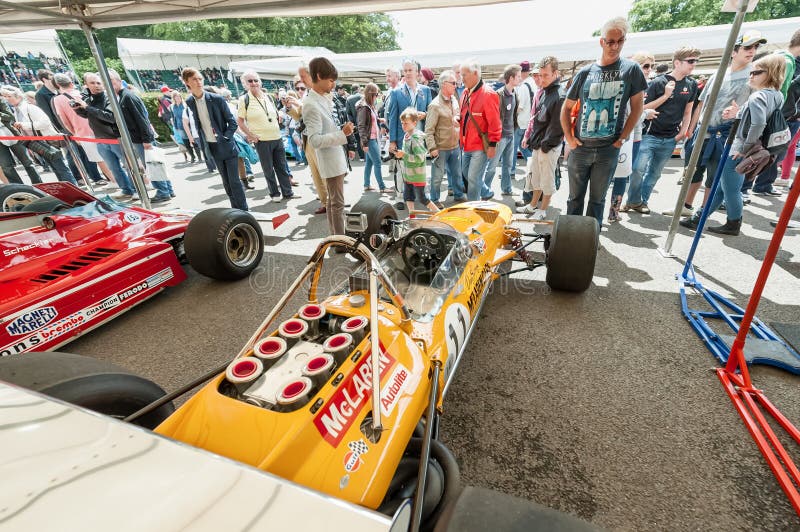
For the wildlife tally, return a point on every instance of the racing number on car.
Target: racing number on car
(456, 323)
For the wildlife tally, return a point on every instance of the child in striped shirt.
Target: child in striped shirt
(413, 167)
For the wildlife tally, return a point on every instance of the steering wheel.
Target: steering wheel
(423, 251)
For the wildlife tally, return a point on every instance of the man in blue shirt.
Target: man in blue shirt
(408, 94)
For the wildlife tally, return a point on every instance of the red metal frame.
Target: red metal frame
(735, 376)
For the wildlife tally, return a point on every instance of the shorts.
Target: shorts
(410, 192)
(91, 151)
(541, 174)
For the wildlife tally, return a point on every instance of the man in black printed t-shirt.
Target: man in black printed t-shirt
(672, 95)
(601, 91)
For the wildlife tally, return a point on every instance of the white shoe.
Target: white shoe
(780, 182)
(276, 199)
(527, 209)
(539, 214)
(685, 211)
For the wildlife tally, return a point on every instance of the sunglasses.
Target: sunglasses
(690, 61)
(300, 88)
(253, 80)
(647, 65)
(754, 73)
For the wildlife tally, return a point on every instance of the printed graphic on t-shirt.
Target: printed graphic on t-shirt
(602, 98)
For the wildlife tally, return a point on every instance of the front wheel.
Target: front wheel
(14, 197)
(86, 382)
(224, 244)
(571, 253)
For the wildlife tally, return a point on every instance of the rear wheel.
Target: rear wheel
(14, 197)
(46, 204)
(224, 244)
(571, 253)
(378, 213)
(86, 382)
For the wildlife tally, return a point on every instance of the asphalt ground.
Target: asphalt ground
(602, 404)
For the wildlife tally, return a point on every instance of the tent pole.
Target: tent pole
(125, 141)
(708, 108)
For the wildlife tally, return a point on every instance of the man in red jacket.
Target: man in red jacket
(480, 127)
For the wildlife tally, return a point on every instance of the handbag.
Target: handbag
(55, 143)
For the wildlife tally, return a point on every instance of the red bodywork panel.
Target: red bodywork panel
(65, 273)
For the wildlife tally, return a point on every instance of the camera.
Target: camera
(73, 103)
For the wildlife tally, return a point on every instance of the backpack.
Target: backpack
(776, 135)
(791, 106)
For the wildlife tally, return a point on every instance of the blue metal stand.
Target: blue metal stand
(767, 348)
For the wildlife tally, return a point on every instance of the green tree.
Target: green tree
(373, 32)
(651, 15)
(82, 66)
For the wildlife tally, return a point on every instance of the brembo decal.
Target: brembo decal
(335, 418)
(53, 329)
(32, 321)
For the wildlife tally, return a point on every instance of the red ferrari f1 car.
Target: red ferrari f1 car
(70, 261)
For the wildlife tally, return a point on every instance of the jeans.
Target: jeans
(518, 136)
(373, 161)
(590, 168)
(730, 190)
(297, 151)
(449, 159)
(503, 154)
(8, 164)
(163, 188)
(621, 183)
(654, 152)
(61, 170)
(473, 166)
(228, 169)
(273, 161)
(112, 155)
(91, 168)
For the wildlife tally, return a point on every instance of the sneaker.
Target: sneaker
(527, 209)
(509, 193)
(160, 199)
(613, 216)
(100, 183)
(642, 208)
(519, 203)
(387, 191)
(487, 198)
(295, 183)
(171, 194)
(539, 214)
(780, 182)
(770, 192)
(250, 177)
(462, 199)
(369, 189)
(293, 196)
(630, 207)
(275, 199)
(746, 199)
(685, 211)
(439, 204)
(321, 210)
(122, 196)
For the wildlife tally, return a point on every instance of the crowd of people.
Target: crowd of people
(18, 70)
(615, 124)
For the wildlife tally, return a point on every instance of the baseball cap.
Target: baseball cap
(535, 70)
(526, 66)
(750, 37)
(164, 88)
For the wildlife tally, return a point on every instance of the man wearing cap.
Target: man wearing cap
(602, 91)
(733, 94)
(526, 92)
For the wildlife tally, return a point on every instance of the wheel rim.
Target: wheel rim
(15, 202)
(241, 244)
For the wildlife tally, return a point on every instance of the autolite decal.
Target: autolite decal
(75, 320)
(390, 394)
(335, 418)
(31, 321)
(20, 249)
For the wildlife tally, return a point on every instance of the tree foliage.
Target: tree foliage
(373, 32)
(651, 15)
(81, 66)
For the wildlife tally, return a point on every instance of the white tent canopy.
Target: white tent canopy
(21, 15)
(710, 39)
(45, 41)
(147, 54)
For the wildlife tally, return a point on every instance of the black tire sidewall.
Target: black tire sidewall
(15, 188)
(572, 253)
(377, 211)
(204, 243)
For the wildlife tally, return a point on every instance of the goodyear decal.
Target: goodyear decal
(32, 321)
(335, 418)
(54, 329)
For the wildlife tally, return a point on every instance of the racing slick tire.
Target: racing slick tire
(224, 244)
(377, 211)
(14, 197)
(46, 204)
(571, 253)
(93, 384)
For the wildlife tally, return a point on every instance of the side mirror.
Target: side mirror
(356, 222)
(376, 240)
